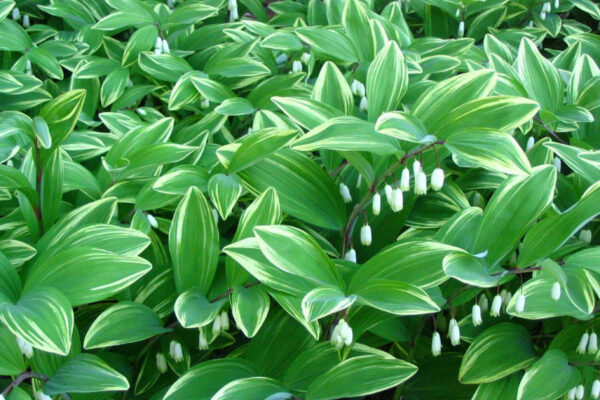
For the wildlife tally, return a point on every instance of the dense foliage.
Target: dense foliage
(210, 199)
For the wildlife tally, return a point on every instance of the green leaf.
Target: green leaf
(85, 373)
(224, 191)
(179, 179)
(249, 306)
(305, 112)
(191, 13)
(235, 106)
(258, 145)
(193, 310)
(572, 156)
(469, 269)
(254, 388)
(360, 376)
(85, 274)
(61, 114)
(331, 88)
(550, 377)
(141, 40)
(512, 210)
(403, 126)
(296, 252)
(387, 81)
(356, 22)
(52, 188)
(46, 62)
(329, 44)
(11, 359)
(43, 317)
(42, 132)
(323, 301)
(194, 243)
(164, 67)
(483, 362)
(122, 323)
(396, 298)
(12, 179)
(492, 150)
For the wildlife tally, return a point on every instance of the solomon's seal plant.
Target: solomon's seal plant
(299, 199)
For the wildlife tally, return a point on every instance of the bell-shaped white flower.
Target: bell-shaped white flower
(376, 204)
(202, 342)
(224, 320)
(358, 88)
(530, 143)
(543, 15)
(341, 335)
(365, 235)
(593, 343)
(205, 103)
(520, 303)
(556, 3)
(405, 180)
(421, 183)
(397, 200)
(215, 215)
(176, 351)
(152, 221)
(556, 290)
(436, 344)
(580, 392)
(416, 168)
(158, 46)
(476, 315)
(296, 66)
(585, 236)
(583, 343)
(305, 58)
(508, 298)
(42, 396)
(388, 194)
(363, 104)
(26, 22)
(571, 393)
(437, 179)
(28, 68)
(26, 348)
(281, 59)
(496, 306)
(557, 163)
(161, 363)
(547, 7)
(454, 333)
(595, 393)
(350, 255)
(165, 47)
(345, 193)
(16, 14)
(233, 14)
(461, 29)
(484, 302)
(216, 327)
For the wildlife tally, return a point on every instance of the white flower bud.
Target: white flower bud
(25, 347)
(397, 200)
(405, 180)
(158, 46)
(484, 302)
(593, 344)
(496, 306)
(165, 47)
(161, 363)
(365, 235)
(389, 194)
(583, 343)
(28, 68)
(141, 112)
(152, 221)
(175, 351)
(457, 13)
(171, 3)
(376, 204)
(296, 66)
(585, 236)
(547, 7)
(556, 291)
(451, 325)
(461, 29)
(437, 179)
(341, 335)
(345, 193)
(202, 342)
(205, 103)
(233, 14)
(215, 215)
(557, 163)
(231, 4)
(216, 328)
(455, 333)
(416, 168)
(580, 392)
(281, 59)
(363, 104)
(530, 143)
(421, 183)
(26, 22)
(42, 396)
(350, 255)
(508, 298)
(556, 3)
(520, 303)
(16, 14)
(436, 344)
(543, 15)
(530, 24)
(476, 315)
(571, 393)
(354, 87)
(361, 91)
(224, 321)
(596, 389)
(305, 58)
